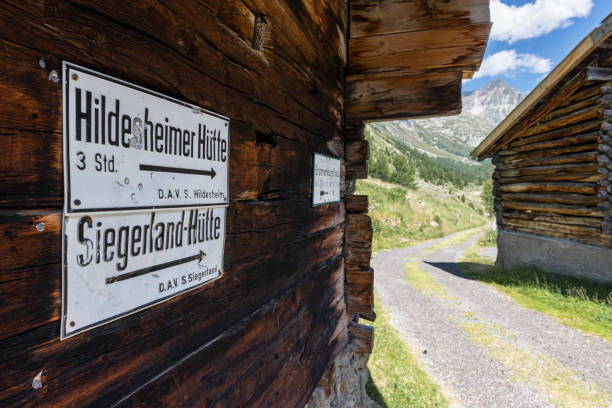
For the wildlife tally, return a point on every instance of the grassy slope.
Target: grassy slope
(402, 217)
(396, 380)
(580, 304)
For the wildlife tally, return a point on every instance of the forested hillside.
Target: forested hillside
(396, 162)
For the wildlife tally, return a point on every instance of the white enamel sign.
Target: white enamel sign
(325, 179)
(116, 264)
(126, 147)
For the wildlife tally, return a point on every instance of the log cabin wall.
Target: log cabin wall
(548, 180)
(552, 157)
(263, 334)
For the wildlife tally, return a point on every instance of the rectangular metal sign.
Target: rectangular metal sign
(127, 147)
(325, 179)
(116, 264)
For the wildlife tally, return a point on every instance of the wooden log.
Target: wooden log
(358, 256)
(604, 161)
(590, 147)
(357, 151)
(599, 74)
(572, 107)
(587, 91)
(598, 239)
(557, 133)
(568, 230)
(358, 229)
(555, 209)
(353, 130)
(356, 204)
(605, 139)
(510, 171)
(579, 139)
(463, 46)
(553, 218)
(584, 157)
(404, 97)
(563, 176)
(359, 291)
(361, 337)
(582, 115)
(570, 199)
(357, 170)
(388, 17)
(563, 187)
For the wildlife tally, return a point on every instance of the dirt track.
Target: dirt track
(479, 345)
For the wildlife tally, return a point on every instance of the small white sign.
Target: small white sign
(325, 179)
(127, 147)
(117, 264)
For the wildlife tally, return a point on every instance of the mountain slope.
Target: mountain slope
(454, 137)
(493, 101)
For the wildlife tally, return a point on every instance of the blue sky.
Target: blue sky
(530, 37)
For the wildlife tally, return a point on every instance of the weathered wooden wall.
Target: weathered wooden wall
(264, 333)
(552, 177)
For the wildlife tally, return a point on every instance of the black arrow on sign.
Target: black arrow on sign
(154, 268)
(164, 169)
(323, 193)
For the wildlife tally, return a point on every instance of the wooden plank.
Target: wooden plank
(562, 176)
(571, 168)
(444, 47)
(358, 256)
(582, 115)
(561, 187)
(358, 229)
(599, 74)
(583, 157)
(357, 151)
(573, 107)
(356, 204)
(553, 218)
(359, 290)
(555, 209)
(551, 144)
(404, 97)
(559, 133)
(388, 17)
(570, 199)
(600, 240)
(361, 337)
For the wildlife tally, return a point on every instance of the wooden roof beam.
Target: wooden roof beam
(386, 98)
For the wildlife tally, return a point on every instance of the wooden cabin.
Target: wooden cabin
(553, 167)
(285, 80)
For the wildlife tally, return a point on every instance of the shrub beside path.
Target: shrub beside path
(484, 349)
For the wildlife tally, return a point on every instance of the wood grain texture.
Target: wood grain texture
(263, 334)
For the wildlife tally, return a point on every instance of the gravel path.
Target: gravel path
(480, 346)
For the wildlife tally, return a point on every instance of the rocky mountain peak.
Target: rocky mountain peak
(493, 101)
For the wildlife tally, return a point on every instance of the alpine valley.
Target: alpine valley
(438, 148)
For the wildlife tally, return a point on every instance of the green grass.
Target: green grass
(402, 217)
(577, 303)
(396, 380)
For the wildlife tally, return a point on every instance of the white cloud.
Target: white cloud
(509, 62)
(513, 23)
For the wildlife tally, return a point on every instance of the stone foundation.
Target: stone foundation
(343, 384)
(554, 255)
